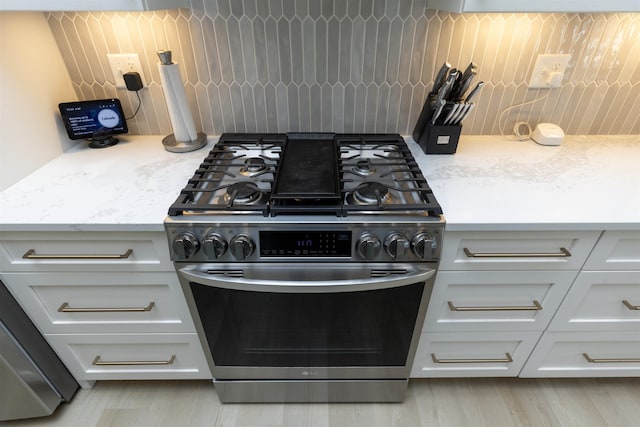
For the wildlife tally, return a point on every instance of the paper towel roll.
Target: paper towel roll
(184, 129)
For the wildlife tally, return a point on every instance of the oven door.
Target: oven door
(309, 321)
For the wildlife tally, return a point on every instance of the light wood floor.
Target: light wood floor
(434, 402)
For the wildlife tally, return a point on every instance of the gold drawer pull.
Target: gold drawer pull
(630, 306)
(31, 254)
(535, 307)
(507, 359)
(563, 253)
(592, 360)
(97, 362)
(64, 308)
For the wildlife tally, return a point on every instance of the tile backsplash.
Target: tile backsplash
(356, 65)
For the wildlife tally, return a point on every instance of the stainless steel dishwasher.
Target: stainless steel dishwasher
(34, 381)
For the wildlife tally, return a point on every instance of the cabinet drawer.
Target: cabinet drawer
(88, 251)
(616, 250)
(496, 300)
(516, 250)
(585, 354)
(601, 300)
(102, 302)
(467, 354)
(131, 357)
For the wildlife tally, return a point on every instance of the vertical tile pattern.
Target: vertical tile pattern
(356, 65)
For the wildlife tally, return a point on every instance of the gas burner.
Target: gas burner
(253, 166)
(244, 193)
(391, 152)
(369, 193)
(364, 168)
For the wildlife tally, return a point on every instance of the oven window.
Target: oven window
(366, 328)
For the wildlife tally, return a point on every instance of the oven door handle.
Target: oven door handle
(222, 279)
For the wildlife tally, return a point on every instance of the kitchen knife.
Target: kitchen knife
(466, 82)
(474, 91)
(451, 112)
(458, 114)
(466, 112)
(440, 103)
(440, 77)
(442, 95)
(448, 85)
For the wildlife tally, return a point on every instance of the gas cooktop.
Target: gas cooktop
(308, 173)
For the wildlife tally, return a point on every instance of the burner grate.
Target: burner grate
(330, 169)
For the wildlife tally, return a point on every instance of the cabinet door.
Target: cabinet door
(79, 5)
(535, 6)
(131, 357)
(585, 354)
(496, 300)
(616, 250)
(84, 251)
(63, 303)
(468, 354)
(516, 250)
(600, 301)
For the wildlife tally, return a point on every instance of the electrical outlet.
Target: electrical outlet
(549, 70)
(124, 63)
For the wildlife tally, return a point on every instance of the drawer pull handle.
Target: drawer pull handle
(98, 362)
(563, 253)
(64, 308)
(31, 254)
(630, 306)
(592, 360)
(535, 307)
(507, 359)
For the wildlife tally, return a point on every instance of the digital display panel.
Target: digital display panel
(305, 243)
(93, 119)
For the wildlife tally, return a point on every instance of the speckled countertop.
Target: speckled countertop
(492, 183)
(129, 186)
(497, 183)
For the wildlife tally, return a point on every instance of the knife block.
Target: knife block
(440, 139)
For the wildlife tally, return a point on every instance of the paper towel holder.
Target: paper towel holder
(170, 142)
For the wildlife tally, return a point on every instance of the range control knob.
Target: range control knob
(214, 245)
(185, 245)
(241, 247)
(369, 246)
(396, 245)
(424, 245)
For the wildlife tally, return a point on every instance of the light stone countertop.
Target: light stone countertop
(498, 183)
(129, 186)
(491, 183)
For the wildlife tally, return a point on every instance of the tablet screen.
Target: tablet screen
(93, 119)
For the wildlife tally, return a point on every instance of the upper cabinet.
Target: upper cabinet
(535, 5)
(87, 5)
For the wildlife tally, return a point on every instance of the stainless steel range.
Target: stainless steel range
(308, 262)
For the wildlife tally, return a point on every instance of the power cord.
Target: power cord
(517, 128)
(137, 108)
(133, 82)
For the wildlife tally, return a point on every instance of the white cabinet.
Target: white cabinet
(585, 354)
(616, 250)
(525, 250)
(84, 251)
(131, 356)
(109, 303)
(472, 354)
(495, 293)
(596, 331)
(601, 301)
(87, 5)
(496, 300)
(535, 6)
